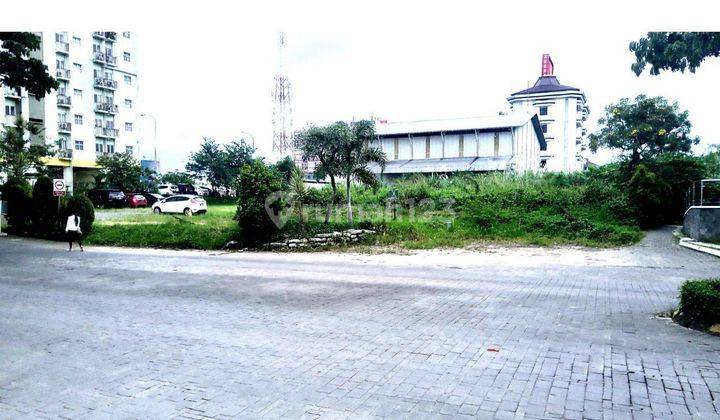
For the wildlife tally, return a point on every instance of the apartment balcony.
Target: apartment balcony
(64, 100)
(65, 154)
(108, 36)
(64, 127)
(106, 108)
(62, 47)
(62, 74)
(106, 132)
(104, 58)
(103, 83)
(11, 92)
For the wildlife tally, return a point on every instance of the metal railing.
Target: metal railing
(105, 83)
(62, 73)
(107, 107)
(107, 58)
(12, 92)
(64, 126)
(62, 47)
(705, 192)
(65, 154)
(64, 100)
(106, 132)
(110, 36)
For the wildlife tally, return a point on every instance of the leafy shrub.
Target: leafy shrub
(81, 206)
(700, 303)
(646, 192)
(256, 183)
(46, 221)
(19, 206)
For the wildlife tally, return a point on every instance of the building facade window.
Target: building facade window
(98, 147)
(126, 56)
(10, 110)
(79, 145)
(77, 41)
(129, 150)
(110, 148)
(128, 126)
(78, 119)
(78, 67)
(128, 103)
(579, 108)
(126, 34)
(77, 92)
(128, 80)
(544, 128)
(97, 48)
(543, 110)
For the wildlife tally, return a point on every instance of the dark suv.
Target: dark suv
(107, 198)
(186, 189)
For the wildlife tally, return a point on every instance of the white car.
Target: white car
(167, 189)
(185, 204)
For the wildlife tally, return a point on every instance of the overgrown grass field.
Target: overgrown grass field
(429, 213)
(142, 228)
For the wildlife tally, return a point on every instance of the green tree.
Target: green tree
(45, 217)
(285, 168)
(675, 51)
(257, 182)
(17, 153)
(18, 69)
(298, 194)
(356, 155)
(220, 165)
(644, 128)
(121, 171)
(17, 194)
(177, 177)
(323, 144)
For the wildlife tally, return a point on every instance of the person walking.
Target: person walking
(73, 232)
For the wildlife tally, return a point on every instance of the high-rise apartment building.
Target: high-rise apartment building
(94, 110)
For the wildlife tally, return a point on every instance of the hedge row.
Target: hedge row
(700, 303)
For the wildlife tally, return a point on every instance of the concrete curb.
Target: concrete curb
(700, 246)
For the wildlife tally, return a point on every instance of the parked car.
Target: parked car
(107, 198)
(186, 189)
(167, 189)
(201, 190)
(182, 203)
(151, 197)
(136, 200)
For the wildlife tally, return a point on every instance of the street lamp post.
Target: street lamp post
(155, 158)
(251, 137)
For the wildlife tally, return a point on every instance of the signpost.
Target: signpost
(58, 187)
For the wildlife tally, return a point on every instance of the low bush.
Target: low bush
(46, 221)
(19, 206)
(699, 303)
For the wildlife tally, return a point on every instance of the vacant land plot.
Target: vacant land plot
(142, 228)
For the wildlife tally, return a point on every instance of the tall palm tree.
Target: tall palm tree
(356, 155)
(298, 194)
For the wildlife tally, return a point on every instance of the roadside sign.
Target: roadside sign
(58, 187)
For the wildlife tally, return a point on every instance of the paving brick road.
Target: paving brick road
(522, 334)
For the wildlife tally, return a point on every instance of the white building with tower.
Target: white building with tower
(562, 111)
(543, 132)
(94, 110)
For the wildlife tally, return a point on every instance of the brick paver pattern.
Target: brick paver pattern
(145, 335)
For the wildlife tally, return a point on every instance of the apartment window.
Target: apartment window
(77, 41)
(78, 119)
(10, 110)
(128, 79)
(129, 150)
(59, 37)
(128, 126)
(98, 147)
(543, 110)
(77, 92)
(578, 125)
(78, 67)
(579, 108)
(98, 122)
(60, 64)
(97, 48)
(110, 148)
(126, 56)
(544, 128)
(126, 34)
(128, 103)
(79, 145)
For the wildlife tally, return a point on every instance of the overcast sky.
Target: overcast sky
(207, 69)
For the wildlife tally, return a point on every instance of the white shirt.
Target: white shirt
(70, 225)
